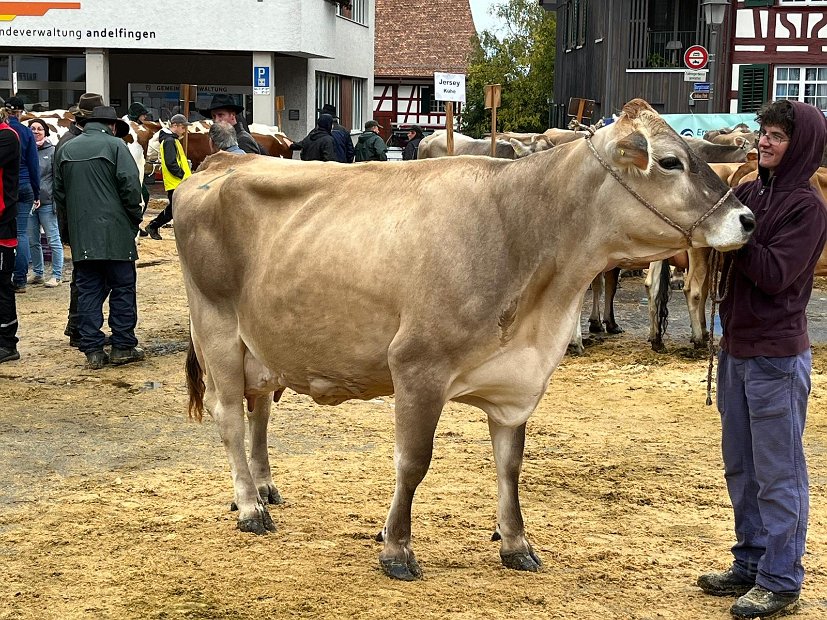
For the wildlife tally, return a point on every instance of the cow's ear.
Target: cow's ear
(633, 150)
(520, 149)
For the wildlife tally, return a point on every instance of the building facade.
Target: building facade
(309, 52)
(408, 53)
(614, 50)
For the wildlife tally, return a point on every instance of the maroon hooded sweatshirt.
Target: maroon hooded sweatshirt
(767, 283)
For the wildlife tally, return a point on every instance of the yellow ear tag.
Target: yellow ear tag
(622, 152)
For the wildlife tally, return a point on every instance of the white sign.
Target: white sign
(14, 83)
(695, 76)
(261, 90)
(449, 87)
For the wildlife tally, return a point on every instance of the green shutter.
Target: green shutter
(753, 87)
(759, 2)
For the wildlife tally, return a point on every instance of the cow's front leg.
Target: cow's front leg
(515, 550)
(252, 513)
(416, 418)
(259, 459)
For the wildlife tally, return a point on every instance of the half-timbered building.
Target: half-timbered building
(415, 38)
(614, 50)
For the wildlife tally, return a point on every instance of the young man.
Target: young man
(96, 186)
(223, 108)
(765, 362)
(415, 135)
(174, 167)
(371, 146)
(9, 179)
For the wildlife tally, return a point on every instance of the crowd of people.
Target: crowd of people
(764, 361)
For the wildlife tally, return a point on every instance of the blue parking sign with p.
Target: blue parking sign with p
(261, 77)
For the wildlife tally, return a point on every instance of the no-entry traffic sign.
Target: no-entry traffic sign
(695, 57)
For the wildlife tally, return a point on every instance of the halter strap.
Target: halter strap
(686, 232)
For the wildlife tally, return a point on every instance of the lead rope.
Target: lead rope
(715, 259)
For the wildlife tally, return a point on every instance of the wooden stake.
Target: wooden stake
(185, 95)
(449, 125)
(493, 132)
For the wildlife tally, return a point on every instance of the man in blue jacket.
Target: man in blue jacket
(28, 193)
(765, 362)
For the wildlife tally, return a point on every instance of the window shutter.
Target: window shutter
(753, 87)
(759, 2)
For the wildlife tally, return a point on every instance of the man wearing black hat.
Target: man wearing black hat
(341, 136)
(371, 146)
(415, 135)
(28, 191)
(96, 185)
(223, 108)
(9, 175)
(137, 113)
(83, 109)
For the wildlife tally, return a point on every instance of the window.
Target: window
(803, 2)
(358, 90)
(327, 90)
(807, 84)
(575, 23)
(44, 82)
(357, 11)
(660, 32)
(752, 87)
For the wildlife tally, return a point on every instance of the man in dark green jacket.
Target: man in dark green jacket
(371, 146)
(97, 186)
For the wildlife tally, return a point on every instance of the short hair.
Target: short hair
(779, 113)
(223, 135)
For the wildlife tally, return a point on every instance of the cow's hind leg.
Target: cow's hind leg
(515, 550)
(259, 459)
(416, 416)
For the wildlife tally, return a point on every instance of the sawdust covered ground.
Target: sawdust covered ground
(113, 505)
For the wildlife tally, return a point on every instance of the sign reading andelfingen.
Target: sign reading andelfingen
(44, 34)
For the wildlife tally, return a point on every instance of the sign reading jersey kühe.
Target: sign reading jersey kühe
(151, 24)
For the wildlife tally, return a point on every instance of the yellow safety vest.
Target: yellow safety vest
(170, 180)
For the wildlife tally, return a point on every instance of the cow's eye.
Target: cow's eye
(671, 163)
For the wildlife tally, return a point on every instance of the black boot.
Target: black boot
(727, 583)
(125, 356)
(153, 233)
(96, 359)
(8, 355)
(761, 603)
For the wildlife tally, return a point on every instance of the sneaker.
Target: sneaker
(727, 583)
(34, 279)
(96, 359)
(153, 233)
(52, 282)
(761, 603)
(8, 355)
(19, 289)
(126, 356)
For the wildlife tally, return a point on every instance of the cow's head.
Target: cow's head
(671, 181)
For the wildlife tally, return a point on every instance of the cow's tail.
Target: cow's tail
(195, 384)
(662, 300)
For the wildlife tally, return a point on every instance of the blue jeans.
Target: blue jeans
(763, 405)
(46, 217)
(25, 200)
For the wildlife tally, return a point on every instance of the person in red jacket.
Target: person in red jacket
(9, 181)
(764, 364)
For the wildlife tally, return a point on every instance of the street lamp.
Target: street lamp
(714, 11)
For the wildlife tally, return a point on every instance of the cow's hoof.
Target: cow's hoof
(658, 347)
(596, 327)
(402, 571)
(614, 329)
(522, 560)
(260, 525)
(576, 349)
(270, 495)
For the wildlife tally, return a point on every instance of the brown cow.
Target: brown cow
(461, 284)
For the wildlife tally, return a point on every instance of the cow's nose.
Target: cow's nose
(748, 222)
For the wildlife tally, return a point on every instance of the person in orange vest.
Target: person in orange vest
(174, 166)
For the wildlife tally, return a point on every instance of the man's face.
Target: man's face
(178, 129)
(224, 116)
(411, 135)
(142, 118)
(772, 145)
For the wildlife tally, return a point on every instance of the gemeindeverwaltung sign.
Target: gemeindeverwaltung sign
(149, 24)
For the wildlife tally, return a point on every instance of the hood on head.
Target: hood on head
(806, 148)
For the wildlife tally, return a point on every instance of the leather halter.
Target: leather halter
(686, 232)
